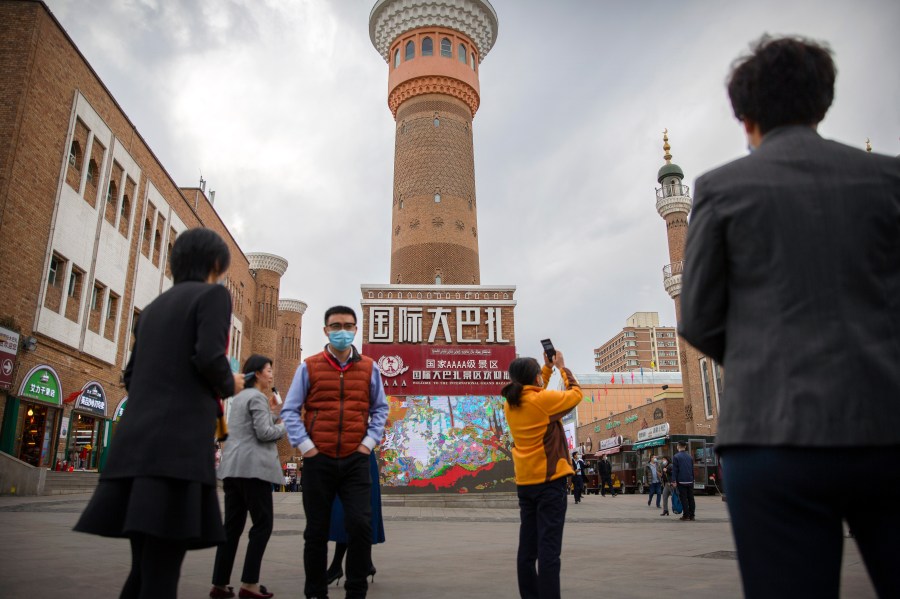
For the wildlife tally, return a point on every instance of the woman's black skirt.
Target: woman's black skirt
(183, 511)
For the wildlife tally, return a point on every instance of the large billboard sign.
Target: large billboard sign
(442, 369)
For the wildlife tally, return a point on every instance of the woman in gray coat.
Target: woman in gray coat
(249, 467)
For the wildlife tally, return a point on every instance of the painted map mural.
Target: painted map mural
(446, 444)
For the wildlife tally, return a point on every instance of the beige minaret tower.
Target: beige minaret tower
(433, 51)
(673, 202)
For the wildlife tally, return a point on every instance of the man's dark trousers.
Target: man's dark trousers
(686, 494)
(607, 482)
(787, 508)
(578, 487)
(324, 477)
(542, 509)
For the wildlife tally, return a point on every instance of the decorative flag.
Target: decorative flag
(652, 363)
(621, 379)
(612, 378)
(642, 372)
(632, 376)
(591, 400)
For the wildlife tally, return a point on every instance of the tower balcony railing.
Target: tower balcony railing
(672, 278)
(673, 198)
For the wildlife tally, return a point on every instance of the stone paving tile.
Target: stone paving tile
(612, 548)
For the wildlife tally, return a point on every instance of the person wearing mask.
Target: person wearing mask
(541, 461)
(651, 471)
(605, 470)
(683, 475)
(159, 486)
(249, 467)
(335, 413)
(665, 477)
(578, 477)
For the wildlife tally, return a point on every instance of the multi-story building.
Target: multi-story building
(642, 344)
(88, 217)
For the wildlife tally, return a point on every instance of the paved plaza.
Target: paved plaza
(613, 547)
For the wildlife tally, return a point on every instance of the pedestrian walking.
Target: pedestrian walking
(158, 488)
(651, 473)
(800, 240)
(249, 467)
(683, 475)
(666, 480)
(540, 459)
(335, 412)
(577, 477)
(605, 469)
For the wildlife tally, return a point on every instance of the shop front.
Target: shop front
(33, 417)
(87, 428)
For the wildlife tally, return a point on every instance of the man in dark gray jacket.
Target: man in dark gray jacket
(792, 282)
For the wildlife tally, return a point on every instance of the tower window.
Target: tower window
(437, 122)
(396, 58)
(427, 47)
(437, 279)
(446, 48)
(437, 198)
(410, 52)
(461, 53)
(473, 61)
(401, 204)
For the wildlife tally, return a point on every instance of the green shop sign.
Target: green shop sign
(630, 419)
(42, 384)
(613, 424)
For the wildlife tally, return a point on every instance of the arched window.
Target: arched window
(427, 47)
(446, 48)
(92, 171)
(437, 279)
(111, 193)
(473, 61)
(126, 206)
(410, 51)
(461, 53)
(396, 58)
(75, 155)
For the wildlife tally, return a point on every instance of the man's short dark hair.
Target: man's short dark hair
(785, 81)
(339, 310)
(197, 253)
(681, 445)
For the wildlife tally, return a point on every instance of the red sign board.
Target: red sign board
(442, 369)
(9, 347)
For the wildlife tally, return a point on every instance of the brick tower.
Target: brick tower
(287, 359)
(673, 202)
(433, 51)
(267, 269)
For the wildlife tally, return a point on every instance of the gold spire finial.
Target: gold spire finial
(666, 146)
(868, 145)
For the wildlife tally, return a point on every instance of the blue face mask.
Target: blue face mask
(341, 340)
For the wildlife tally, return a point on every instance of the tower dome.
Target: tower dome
(669, 169)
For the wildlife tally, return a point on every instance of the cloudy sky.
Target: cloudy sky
(282, 105)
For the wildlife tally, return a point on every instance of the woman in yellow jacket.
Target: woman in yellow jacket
(541, 459)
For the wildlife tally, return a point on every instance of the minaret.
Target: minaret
(433, 51)
(673, 202)
(267, 269)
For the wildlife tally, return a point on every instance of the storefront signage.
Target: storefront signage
(442, 369)
(9, 348)
(290, 466)
(416, 324)
(632, 418)
(660, 430)
(64, 428)
(613, 424)
(120, 409)
(611, 442)
(92, 399)
(42, 384)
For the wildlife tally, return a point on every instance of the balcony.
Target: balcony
(673, 198)
(672, 278)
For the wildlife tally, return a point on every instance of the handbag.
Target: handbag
(676, 501)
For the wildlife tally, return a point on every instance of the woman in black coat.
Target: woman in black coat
(159, 485)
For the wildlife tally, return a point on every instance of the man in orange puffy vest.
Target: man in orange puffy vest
(334, 413)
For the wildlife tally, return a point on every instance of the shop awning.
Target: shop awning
(609, 451)
(650, 443)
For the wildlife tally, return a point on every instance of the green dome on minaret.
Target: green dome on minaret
(668, 169)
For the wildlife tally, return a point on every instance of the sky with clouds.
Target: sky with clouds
(282, 105)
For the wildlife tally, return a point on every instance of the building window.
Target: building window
(707, 396)
(401, 204)
(427, 47)
(92, 171)
(75, 156)
(446, 48)
(53, 275)
(96, 296)
(112, 307)
(437, 122)
(461, 53)
(146, 245)
(437, 279)
(719, 380)
(437, 198)
(396, 58)
(473, 61)
(110, 213)
(74, 284)
(410, 51)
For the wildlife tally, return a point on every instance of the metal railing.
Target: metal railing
(673, 269)
(672, 191)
